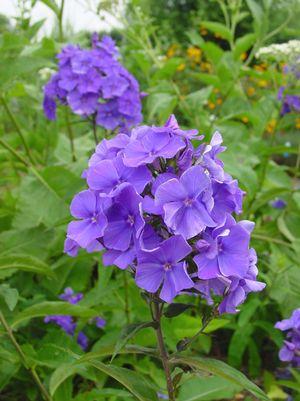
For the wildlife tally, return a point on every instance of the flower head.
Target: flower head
(290, 351)
(164, 211)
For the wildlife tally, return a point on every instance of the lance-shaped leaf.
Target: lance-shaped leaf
(221, 369)
(25, 263)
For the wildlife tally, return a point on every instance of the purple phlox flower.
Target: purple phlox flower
(290, 351)
(162, 396)
(65, 322)
(107, 44)
(171, 126)
(100, 322)
(82, 340)
(233, 289)
(107, 175)
(88, 77)
(147, 145)
(125, 221)
(109, 148)
(163, 266)
(69, 296)
(184, 159)
(121, 259)
(280, 93)
(113, 85)
(187, 202)
(278, 203)
(83, 103)
(108, 115)
(293, 101)
(71, 247)
(149, 205)
(228, 198)
(207, 157)
(89, 207)
(223, 251)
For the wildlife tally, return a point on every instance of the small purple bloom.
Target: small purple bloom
(290, 351)
(278, 204)
(100, 322)
(125, 220)
(88, 207)
(163, 265)
(69, 296)
(186, 202)
(82, 340)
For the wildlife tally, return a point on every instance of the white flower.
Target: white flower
(289, 51)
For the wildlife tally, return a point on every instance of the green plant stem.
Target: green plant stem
(95, 130)
(127, 311)
(70, 135)
(272, 240)
(157, 313)
(60, 21)
(17, 128)
(16, 154)
(23, 358)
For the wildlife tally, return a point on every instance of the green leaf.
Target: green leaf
(198, 98)
(161, 105)
(243, 44)
(266, 196)
(213, 52)
(238, 344)
(10, 296)
(176, 309)
(62, 373)
(25, 263)
(219, 28)
(206, 389)
(134, 382)
(52, 5)
(54, 308)
(281, 224)
(127, 333)
(195, 38)
(221, 369)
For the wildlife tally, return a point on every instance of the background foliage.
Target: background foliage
(195, 59)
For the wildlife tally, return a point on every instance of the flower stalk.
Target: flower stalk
(23, 359)
(157, 314)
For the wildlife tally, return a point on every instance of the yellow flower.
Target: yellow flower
(245, 119)
(297, 125)
(181, 67)
(171, 50)
(219, 101)
(206, 67)
(243, 56)
(250, 91)
(194, 54)
(203, 31)
(211, 105)
(271, 126)
(262, 83)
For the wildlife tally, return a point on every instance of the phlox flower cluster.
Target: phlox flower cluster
(288, 94)
(164, 210)
(94, 84)
(290, 352)
(68, 323)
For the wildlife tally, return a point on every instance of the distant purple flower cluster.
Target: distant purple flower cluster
(290, 101)
(290, 352)
(67, 323)
(94, 83)
(164, 210)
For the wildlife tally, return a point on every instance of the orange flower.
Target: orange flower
(203, 31)
(245, 119)
(219, 101)
(211, 105)
(171, 50)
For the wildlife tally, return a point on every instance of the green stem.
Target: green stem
(272, 240)
(17, 128)
(16, 154)
(127, 311)
(95, 130)
(157, 313)
(60, 21)
(23, 358)
(70, 134)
